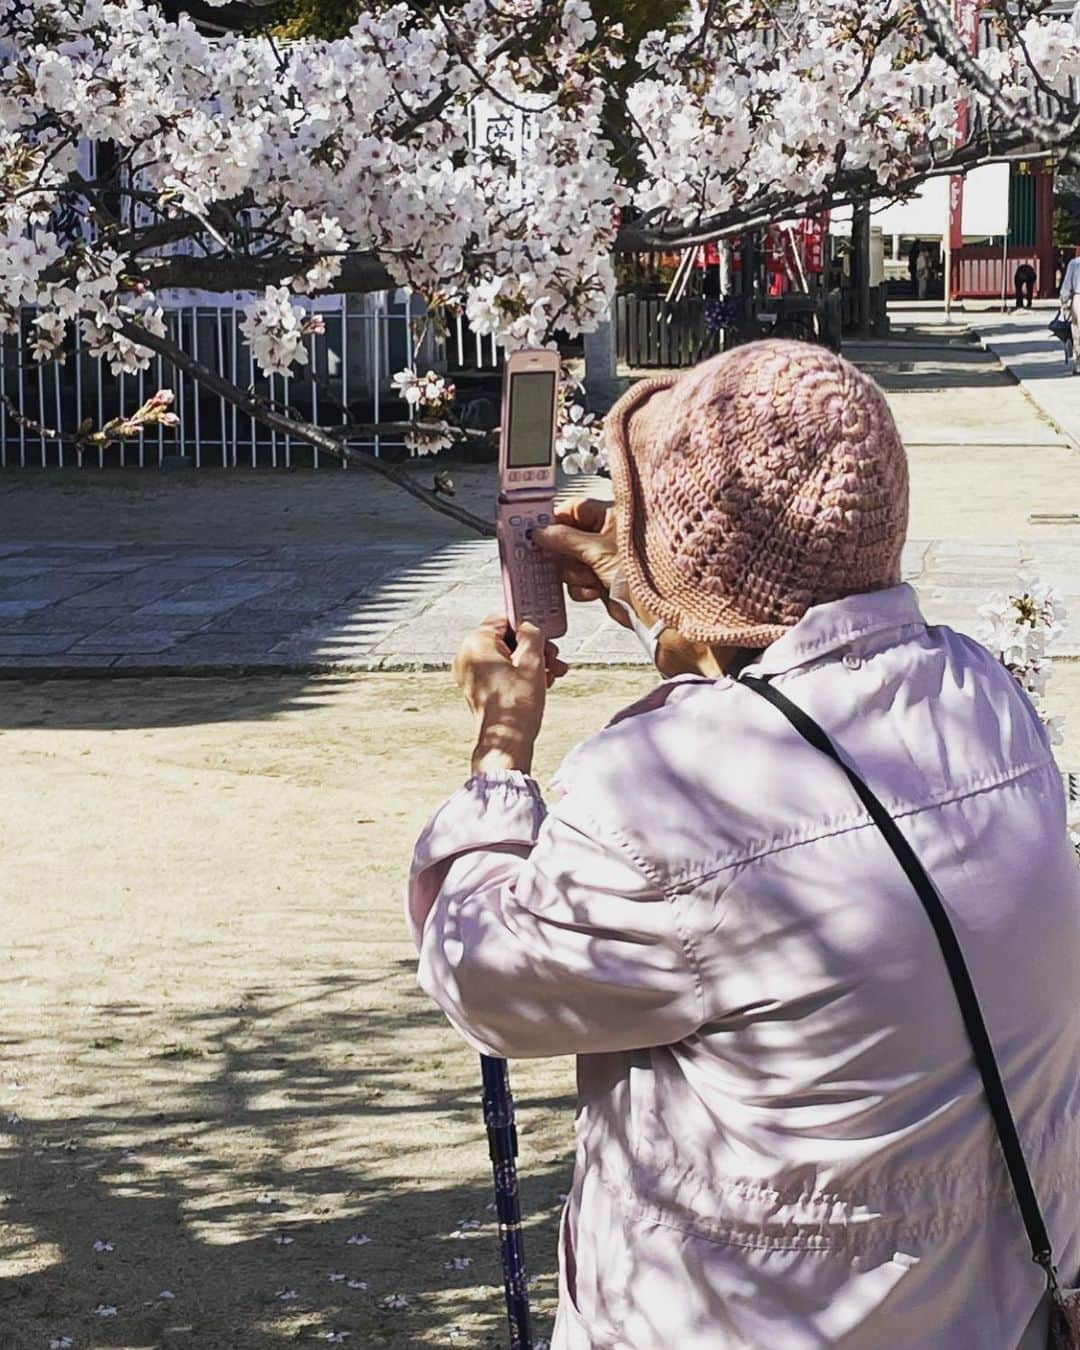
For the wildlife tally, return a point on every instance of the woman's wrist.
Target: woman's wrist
(500, 747)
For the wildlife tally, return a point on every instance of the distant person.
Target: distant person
(1070, 310)
(924, 268)
(913, 265)
(1024, 281)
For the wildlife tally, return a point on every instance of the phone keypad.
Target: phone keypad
(536, 578)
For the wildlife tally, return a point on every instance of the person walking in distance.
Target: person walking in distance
(1024, 282)
(1070, 307)
(913, 266)
(782, 1136)
(923, 269)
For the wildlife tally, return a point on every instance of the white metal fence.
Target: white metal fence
(348, 377)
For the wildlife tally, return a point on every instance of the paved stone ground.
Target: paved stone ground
(86, 607)
(110, 590)
(1034, 357)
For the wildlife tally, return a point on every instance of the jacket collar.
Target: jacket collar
(825, 629)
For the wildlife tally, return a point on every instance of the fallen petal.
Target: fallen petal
(395, 1302)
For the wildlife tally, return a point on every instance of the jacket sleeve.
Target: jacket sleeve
(1068, 283)
(539, 935)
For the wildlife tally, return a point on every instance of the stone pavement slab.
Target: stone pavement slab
(390, 608)
(1035, 358)
(230, 572)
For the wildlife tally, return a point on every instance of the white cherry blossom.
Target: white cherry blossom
(1017, 628)
(309, 154)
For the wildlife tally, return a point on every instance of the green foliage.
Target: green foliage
(333, 18)
(314, 18)
(1067, 222)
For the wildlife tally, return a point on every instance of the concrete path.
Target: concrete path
(1035, 358)
(151, 572)
(85, 607)
(69, 608)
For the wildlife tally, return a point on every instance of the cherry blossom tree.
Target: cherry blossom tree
(291, 168)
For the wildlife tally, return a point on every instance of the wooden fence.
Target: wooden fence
(651, 332)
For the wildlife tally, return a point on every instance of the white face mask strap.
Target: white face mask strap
(648, 637)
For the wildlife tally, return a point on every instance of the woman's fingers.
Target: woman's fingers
(533, 655)
(576, 574)
(556, 672)
(554, 667)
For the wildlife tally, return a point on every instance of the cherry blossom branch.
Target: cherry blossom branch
(331, 443)
(850, 189)
(1045, 133)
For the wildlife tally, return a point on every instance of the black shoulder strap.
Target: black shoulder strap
(954, 961)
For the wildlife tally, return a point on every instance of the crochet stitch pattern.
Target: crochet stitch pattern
(763, 481)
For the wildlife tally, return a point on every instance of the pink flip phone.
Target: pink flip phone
(532, 585)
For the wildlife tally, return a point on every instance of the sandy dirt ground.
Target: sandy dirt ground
(212, 1034)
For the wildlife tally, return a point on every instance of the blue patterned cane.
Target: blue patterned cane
(502, 1145)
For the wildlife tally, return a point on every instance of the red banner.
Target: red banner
(814, 229)
(967, 26)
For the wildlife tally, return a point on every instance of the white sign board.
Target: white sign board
(926, 214)
(922, 216)
(986, 200)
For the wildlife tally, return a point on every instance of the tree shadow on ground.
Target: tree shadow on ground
(1038, 355)
(230, 1153)
(959, 369)
(296, 612)
(121, 702)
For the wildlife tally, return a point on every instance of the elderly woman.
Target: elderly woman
(783, 1138)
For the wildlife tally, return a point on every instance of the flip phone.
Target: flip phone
(532, 584)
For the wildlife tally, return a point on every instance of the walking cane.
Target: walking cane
(502, 1145)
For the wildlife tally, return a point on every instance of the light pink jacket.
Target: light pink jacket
(781, 1137)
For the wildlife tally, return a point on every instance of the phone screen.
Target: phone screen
(530, 443)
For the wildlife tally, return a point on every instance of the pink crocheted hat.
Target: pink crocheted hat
(761, 482)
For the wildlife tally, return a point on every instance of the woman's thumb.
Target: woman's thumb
(529, 647)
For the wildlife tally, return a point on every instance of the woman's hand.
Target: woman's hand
(583, 538)
(506, 690)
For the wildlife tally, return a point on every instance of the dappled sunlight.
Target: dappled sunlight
(213, 1037)
(197, 1181)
